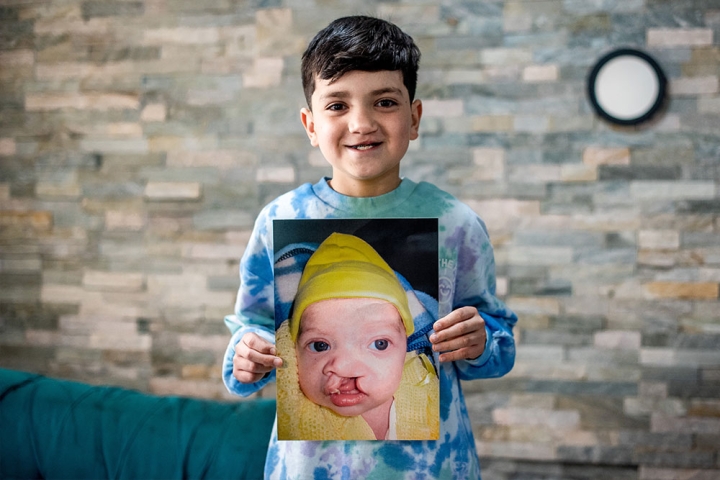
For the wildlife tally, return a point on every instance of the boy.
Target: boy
(346, 371)
(359, 77)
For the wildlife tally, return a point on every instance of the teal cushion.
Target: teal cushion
(58, 429)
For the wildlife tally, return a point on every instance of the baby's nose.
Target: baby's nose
(346, 364)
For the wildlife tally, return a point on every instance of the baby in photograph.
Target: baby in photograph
(347, 374)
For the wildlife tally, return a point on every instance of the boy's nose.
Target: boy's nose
(362, 122)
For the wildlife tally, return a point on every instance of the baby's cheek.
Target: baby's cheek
(309, 378)
(303, 372)
(304, 387)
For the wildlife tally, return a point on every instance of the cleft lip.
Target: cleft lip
(339, 386)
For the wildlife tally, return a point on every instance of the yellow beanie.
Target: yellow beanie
(345, 266)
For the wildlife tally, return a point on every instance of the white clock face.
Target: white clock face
(626, 87)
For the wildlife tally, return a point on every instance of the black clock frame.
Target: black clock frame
(659, 100)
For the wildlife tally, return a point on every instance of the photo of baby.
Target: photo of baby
(352, 333)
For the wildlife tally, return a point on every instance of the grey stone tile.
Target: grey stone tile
(691, 459)
(578, 324)
(651, 440)
(633, 172)
(94, 8)
(610, 389)
(597, 455)
(554, 337)
(698, 206)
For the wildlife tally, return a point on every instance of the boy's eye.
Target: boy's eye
(387, 103)
(335, 107)
(380, 344)
(319, 346)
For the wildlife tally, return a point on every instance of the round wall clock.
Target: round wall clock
(627, 87)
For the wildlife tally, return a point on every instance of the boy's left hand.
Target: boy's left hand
(460, 335)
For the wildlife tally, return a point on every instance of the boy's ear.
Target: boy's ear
(306, 117)
(416, 113)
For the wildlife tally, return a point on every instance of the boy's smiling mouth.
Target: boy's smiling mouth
(364, 146)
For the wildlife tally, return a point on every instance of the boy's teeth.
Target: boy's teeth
(363, 147)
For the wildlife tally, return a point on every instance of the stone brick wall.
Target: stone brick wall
(139, 139)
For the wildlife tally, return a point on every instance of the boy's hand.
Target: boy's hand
(460, 334)
(254, 358)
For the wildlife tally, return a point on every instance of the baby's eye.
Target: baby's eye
(380, 344)
(319, 346)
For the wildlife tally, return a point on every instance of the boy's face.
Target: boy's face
(363, 123)
(351, 354)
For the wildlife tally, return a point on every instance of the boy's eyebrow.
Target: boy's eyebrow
(345, 94)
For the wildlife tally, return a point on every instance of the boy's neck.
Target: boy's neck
(359, 188)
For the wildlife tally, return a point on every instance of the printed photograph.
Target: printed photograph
(355, 301)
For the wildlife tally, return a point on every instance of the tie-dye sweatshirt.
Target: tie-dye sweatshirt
(466, 278)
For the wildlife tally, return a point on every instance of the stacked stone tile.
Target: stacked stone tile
(139, 139)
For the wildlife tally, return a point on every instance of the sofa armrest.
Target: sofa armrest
(61, 429)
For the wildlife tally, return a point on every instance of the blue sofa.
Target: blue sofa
(56, 429)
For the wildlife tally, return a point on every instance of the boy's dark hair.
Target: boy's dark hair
(359, 43)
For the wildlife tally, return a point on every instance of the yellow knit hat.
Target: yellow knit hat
(345, 266)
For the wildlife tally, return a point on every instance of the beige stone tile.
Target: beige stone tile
(275, 175)
(674, 37)
(703, 85)
(160, 191)
(617, 339)
(493, 123)
(659, 239)
(594, 156)
(442, 108)
(113, 281)
(681, 290)
(540, 73)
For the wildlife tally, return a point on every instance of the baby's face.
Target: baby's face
(351, 354)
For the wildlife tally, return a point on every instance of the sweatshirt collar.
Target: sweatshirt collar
(358, 206)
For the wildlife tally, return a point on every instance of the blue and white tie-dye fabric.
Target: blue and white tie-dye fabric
(467, 278)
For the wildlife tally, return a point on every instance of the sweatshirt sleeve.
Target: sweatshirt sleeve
(254, 307)
(475, 286)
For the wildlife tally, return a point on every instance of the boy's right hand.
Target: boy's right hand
(254, 358)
